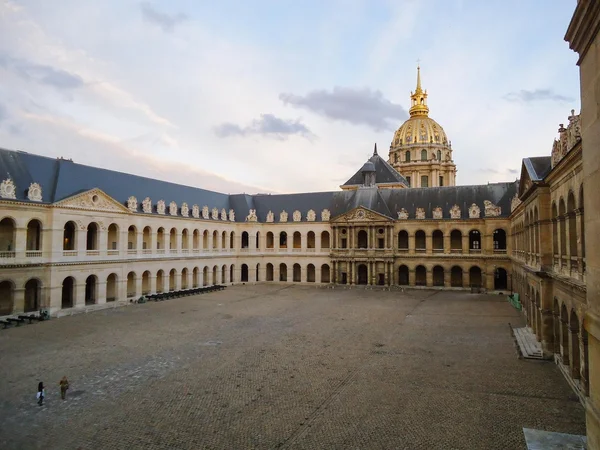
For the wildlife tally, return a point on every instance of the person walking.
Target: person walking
(64, 385)
(41, 393)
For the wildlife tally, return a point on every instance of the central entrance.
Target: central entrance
(362, 274)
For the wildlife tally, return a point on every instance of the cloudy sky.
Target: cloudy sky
(280, 96)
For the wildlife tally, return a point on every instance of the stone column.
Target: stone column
(251, 243)
(564, 352)
(428, 243)
(411, 243)
(20, 244)
(138, 284)
(574, 342)
(101, 292)
(387, 274)
(190, 278)
(152, 280)
(560, 224)
(465, 243)
(81, 240)
(447, 277)
(139, 244)
(79, 294)
(565, 221)
(153, 241)
(583, 364)
(428, 276)
(102, 240)
(411, 277)
(351, 272)
(178, 246)
(580, 238)
(18, 300)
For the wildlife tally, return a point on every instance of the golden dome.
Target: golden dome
(419, 128)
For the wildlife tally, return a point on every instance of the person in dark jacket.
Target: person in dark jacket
(41, 393)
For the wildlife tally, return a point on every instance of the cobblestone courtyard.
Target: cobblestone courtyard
(282, 367)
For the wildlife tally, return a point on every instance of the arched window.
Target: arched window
(423, 155)
(456, 276)
(111, 288)
(32, 295)
(92, 237)
(283, 241)
(572, 224)
(439, 155)
(173, 239)
(438, 276)
(69, 240)
(113, 237)
(325, 277)
(147, 238)
(563, 232)
(310, 239)
(407, 156)
(420, 276)
(362, 239)
(499, 236)
(438, 241)
(456, 241)
(184, 278)
(34, 235)
(325, 239)
(420, 241)
(403, 240)
(424, 181)
(297, 240)
(474, 240)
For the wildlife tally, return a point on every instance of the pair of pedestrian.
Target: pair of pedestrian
(41, 394)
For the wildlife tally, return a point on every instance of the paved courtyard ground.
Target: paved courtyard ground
(282, 367)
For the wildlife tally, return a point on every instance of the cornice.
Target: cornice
(584, 27)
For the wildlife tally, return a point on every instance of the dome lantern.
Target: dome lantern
(418, 99)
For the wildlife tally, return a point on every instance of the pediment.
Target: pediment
(92, 200)
(361, 215)
(525, 182)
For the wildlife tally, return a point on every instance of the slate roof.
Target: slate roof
(389, 201)
(384, 173)
(317, 201)
(538, 167)
(61, 178)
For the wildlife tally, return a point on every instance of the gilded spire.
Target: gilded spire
(418, 99)
(418, 80)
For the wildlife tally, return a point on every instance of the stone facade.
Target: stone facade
(584, 37)
(549, 259)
